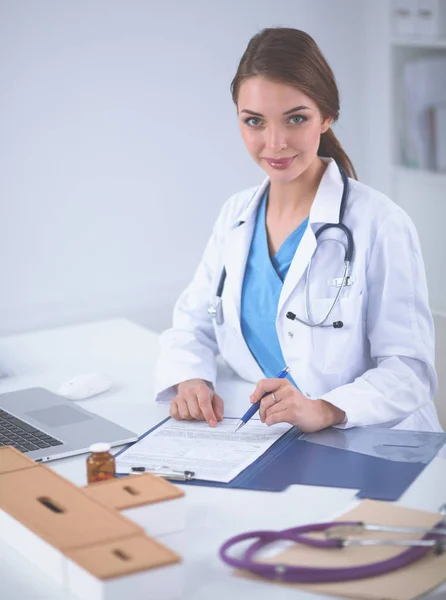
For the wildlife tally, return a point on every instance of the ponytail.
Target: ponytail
(330, 147)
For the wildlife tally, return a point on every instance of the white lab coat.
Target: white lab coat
(378, 368)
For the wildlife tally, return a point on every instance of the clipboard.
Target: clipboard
(292, 460)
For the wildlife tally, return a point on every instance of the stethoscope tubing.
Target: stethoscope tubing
(215, 310)
(298, 574)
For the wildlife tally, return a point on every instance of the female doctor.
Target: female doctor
(345, 307)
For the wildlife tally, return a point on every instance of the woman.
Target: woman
(372, 361)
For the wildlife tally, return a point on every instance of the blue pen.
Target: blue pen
(255, 407)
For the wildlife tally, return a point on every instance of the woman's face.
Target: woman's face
(281, 127)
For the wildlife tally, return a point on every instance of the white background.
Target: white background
(119, 143)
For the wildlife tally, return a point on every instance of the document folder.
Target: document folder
(292, 460)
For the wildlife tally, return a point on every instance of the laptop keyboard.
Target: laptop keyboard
(21, 435)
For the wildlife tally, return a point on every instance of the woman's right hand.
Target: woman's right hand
(196, 400)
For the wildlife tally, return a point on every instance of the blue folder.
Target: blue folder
(293, 460)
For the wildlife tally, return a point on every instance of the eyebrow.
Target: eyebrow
(295, 109)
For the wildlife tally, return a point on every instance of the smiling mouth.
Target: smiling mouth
(279, 163)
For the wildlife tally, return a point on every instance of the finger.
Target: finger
(266, 386)
(183, 410)
(281, 416)
(266, 404)
(192, 405)
(290, 398)
(274, 408)
(218, 407)
(204, 402)
(173, 409)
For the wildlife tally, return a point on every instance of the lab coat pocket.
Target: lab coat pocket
(335, 348)
(220, 334)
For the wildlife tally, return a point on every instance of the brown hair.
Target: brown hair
(292, 56)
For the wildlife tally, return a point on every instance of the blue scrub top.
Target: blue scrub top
(262, 285)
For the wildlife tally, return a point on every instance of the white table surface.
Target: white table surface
(126, 353)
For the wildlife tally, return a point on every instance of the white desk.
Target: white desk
(126, 353)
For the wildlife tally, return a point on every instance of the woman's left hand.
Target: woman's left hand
(286, 404)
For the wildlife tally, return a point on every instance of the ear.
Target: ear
(326, 124)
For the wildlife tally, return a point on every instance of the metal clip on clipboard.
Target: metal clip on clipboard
(166, 473)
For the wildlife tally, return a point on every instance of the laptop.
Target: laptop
(46, 426)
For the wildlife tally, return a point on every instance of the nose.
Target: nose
(276, 139)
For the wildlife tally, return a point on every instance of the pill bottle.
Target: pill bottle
(100, 463)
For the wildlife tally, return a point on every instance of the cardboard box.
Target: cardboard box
(431, 19)
(61, 529)
(148, 500)
(43, 515)
(13, 460)
(404, 17)
(136, 567)
(15, 533)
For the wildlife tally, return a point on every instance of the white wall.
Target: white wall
(377, 116)
(119, 143)
(422, 196)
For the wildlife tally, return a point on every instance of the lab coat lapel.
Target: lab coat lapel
(235, 255)
(298, 266)
(325, 209)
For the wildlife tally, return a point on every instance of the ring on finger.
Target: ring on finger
(273, 397)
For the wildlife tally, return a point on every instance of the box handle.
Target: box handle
(121, 555)
(402, 12)
(48, 503)
(131, 490)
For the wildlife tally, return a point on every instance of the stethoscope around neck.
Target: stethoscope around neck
(215, 309)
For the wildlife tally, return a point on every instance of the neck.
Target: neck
(285, 199)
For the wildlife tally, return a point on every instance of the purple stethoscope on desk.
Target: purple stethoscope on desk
(434, 538)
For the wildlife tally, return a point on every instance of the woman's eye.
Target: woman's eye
(253, 121)
(297, 119)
